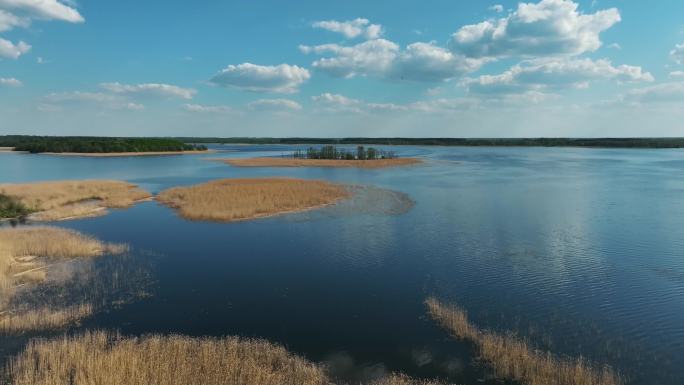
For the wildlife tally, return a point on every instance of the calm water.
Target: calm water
(580, 250)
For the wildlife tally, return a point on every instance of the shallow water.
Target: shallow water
(580, 250)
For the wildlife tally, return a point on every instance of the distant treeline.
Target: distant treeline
(499, 142)
(91, 144)
(332, 152)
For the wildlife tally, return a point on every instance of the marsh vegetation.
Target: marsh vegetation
(58, 200)
(110, 359)
(513, 358)
(249, 198)
(26, 255)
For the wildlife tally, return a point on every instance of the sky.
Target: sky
(323, 68)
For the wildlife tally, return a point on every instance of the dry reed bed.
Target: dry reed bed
(294, 162)
(25, 256)
(60, 200)
(109, 359)
(512, 358)
(240, 199)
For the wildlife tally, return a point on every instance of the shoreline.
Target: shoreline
(125, 154)
(338, 163)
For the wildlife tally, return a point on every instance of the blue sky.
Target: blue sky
(352, 68)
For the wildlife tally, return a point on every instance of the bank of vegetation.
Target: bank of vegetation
(96, 145)
(512, 358)
(105, 358)
(58, 200)
(496, 142)
(248, 198)
(26, 256)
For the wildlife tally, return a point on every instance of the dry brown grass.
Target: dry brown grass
(25, 255)
(42, 319)
(109, 359)
(293, 162)
(105, 358)
(71, 199)
(240, 199)
(512, 358)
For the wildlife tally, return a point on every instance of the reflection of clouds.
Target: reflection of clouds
(341, 365)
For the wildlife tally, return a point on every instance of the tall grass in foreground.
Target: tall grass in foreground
(512, 358)
(239, 199)
(67, 199)
(25, 255)
(104, 358)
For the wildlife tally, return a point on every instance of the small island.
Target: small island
(99, 146)
(228, 200)
(329, 156)
(61, 200)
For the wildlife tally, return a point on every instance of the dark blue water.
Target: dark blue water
(579, 250)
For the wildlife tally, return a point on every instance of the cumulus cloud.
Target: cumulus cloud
(283, 78)
(352, 28)
(677, 74)
(547, 28)
(672, 92)
(275, 105)
(677, 53)
(336, 103)
(554, 74)
(10, 50)
(10, 21)
(98, 99)
(10, 82)
(383, 58)
(207, 109)
(150, 89)
(44, 9)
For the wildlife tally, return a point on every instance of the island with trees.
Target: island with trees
(329, 156)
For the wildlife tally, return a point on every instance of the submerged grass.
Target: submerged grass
(106, 358)
(297, 162)
(240, 199)
(25, 256)
(512, 358)
(57, 200)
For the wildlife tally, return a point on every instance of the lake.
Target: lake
(579, 250)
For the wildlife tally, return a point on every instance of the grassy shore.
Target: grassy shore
(294, 162)
(26, 255)
(241, 199)
(50, 201)
(512, 358)
(109, 359)
(120, 154)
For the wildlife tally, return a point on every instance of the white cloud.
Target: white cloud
(10, 82)
(99, 99)
(498, 8)
(550, 27)
(383, 58)
(207, 109)
(337, 103)
(275, 104)
(10, 50)
(549, 75)
(677, 53)
(352, 28)
(153, 89)
(44, 9)
(9, 21)
(283, 78)
(672, 92)
(677, 74)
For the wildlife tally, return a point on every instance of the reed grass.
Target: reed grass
(240, 199)
(512, 358)
(106, 358)
(59, 200)
(297, 162)
(26, 253)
